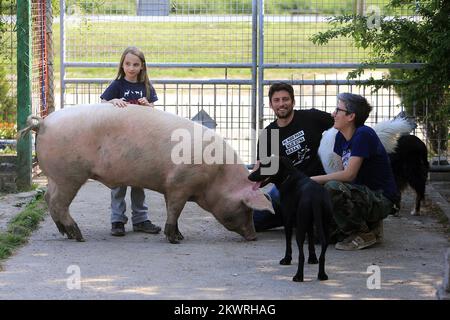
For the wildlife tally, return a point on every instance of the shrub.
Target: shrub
(8, 130)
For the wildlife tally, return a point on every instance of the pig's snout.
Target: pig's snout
(248, 233)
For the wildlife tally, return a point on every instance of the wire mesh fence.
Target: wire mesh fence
(254, 41)
(8, 58)
(40, 75)
(188, 32)
(289, 25)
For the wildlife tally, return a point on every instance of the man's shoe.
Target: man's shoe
(357, 241)
(118, 229)
(147, 227)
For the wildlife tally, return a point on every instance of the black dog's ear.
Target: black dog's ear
(253, 176)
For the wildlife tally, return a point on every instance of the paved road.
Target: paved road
(213, 263)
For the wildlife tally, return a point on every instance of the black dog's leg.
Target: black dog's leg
(300, 237)
(322, 225)
(312, 259)
(288, 235)
(418, 184)
(322, 275)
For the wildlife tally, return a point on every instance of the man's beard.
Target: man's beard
(285, 115)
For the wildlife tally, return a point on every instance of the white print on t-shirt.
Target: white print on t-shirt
(303, 154)
(346, 154)
(128, 92)
(293, 143)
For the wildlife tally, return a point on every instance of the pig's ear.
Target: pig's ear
(255, 199)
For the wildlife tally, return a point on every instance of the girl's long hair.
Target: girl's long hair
(142, 76)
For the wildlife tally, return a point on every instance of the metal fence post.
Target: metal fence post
(62, 41)
(254, 111)
(23, 91)
(261, 65)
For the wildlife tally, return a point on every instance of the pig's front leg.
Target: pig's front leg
(174, 207)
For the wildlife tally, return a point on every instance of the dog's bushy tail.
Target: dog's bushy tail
(389, 131)
(330, 160)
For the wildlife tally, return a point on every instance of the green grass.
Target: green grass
(21, 226)
(198, 43)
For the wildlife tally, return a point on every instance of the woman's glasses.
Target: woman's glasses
(343, 110)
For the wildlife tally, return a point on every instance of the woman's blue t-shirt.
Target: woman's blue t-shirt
(375, 171)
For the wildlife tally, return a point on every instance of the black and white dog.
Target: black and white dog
(410, 167)
(305, 204)
(407, 153)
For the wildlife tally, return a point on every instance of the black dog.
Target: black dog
(305, 204)
(410, 166)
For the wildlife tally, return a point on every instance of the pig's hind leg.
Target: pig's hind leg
(58, 198)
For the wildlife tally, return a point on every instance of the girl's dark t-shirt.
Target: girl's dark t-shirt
(129, 91)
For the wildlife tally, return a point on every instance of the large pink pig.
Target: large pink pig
(142, 147)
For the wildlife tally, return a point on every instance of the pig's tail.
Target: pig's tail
(33, 123)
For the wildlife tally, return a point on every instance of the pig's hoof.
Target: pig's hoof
(173, 240)
(179, 236)
(297, 278)
(61, 228)
(285, 261)
(73, 232)
(172, 233)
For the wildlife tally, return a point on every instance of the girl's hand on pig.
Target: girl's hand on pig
(119, 103)
(144, 102)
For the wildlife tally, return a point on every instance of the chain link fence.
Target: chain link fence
(221, 57)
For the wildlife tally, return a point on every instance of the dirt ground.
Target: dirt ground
(211, 262)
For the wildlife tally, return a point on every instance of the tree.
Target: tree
(404, 39)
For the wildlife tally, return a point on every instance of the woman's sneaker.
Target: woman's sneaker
(147, 226)
(377, 230)
(118, 229)
(357, 241)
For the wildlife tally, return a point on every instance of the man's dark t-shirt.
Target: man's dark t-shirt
(299, 141)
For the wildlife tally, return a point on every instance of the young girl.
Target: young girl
(131, 86)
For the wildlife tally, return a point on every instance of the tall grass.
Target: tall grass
(21, 226)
